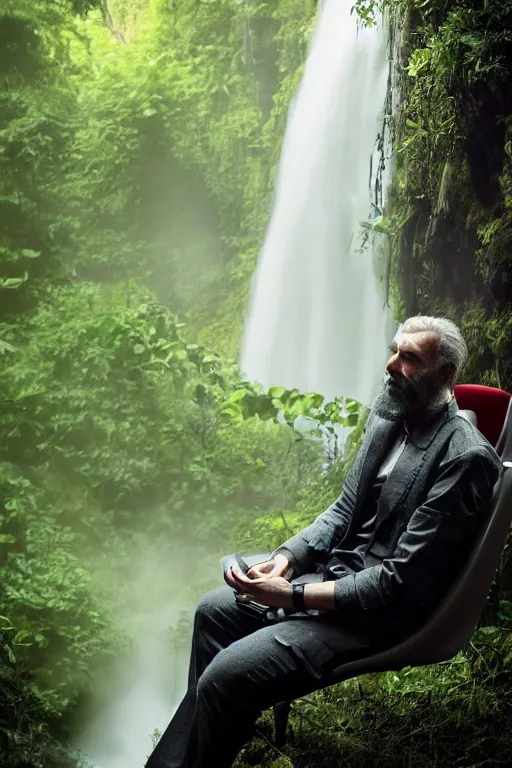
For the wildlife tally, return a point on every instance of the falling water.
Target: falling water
(317, 319)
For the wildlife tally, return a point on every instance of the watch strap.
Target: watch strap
(298, 597)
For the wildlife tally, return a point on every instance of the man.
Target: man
(371, 568)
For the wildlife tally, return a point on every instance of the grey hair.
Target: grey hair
(452, 351)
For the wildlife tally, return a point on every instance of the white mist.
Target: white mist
(148, 688)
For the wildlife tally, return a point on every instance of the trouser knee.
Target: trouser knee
(213, 605)
(222, 684)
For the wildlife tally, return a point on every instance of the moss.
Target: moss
(452, 232)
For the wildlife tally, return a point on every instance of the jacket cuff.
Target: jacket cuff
(289, 556)
(296, 550)
(345, 594)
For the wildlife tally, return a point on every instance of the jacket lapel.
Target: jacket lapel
(406, 468)
(409, 464)
(381, 437)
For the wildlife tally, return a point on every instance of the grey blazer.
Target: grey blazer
(432, 503)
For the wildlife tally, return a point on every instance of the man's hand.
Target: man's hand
(273, 591)
(270, 568)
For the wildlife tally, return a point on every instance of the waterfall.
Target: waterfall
(317, 319)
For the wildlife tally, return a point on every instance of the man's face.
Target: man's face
(412, 385)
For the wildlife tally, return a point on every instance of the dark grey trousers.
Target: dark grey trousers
(238, 668)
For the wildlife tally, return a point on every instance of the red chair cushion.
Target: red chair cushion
(489, 404)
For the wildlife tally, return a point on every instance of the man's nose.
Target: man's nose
(393, 365)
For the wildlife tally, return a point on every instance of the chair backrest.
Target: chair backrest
(452, 624)
(490, 405)
(504, 444)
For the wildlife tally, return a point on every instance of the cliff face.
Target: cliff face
(450, 208)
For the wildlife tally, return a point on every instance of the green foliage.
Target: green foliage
(250, 400)
(199, 113)
(142, 159)
(24, 735)
(366, 11)
(112, 412)
(448, 213)
(93, 362)
(46, 591)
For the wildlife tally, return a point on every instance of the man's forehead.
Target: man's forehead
(423, 342)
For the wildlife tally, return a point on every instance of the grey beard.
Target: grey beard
(414, 400)
(389, 403)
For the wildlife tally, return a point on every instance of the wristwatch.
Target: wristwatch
(298, 597)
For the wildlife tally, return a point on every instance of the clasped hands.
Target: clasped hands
(264, 583)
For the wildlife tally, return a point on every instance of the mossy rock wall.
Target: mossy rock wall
(450, 206)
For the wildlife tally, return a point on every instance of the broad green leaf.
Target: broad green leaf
(10, 654)
(239, 395)
(13, 282)
(277, 392)
(28, 254)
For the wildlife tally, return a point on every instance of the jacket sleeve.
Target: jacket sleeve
(329, 527)
(456, 505)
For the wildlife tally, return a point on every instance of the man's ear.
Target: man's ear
(447, 374)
